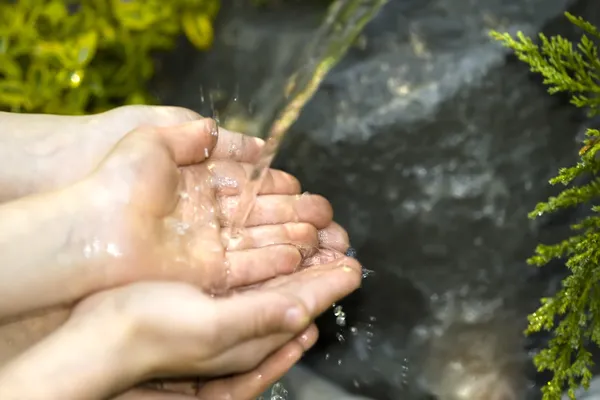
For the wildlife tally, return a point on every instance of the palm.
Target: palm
(160, 220)
(162, 214)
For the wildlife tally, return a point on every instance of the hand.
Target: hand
(140, 216)
(246, 386)
(168, 329)
(40, 153)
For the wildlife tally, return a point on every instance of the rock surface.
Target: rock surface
(593, 392)
(432, 144)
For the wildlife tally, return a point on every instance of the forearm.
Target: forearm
(41, 262)
(79, 361)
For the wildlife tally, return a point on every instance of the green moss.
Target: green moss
(573, 314)
(73, 57)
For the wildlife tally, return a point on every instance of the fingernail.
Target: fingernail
(351, 252)
(295, 317)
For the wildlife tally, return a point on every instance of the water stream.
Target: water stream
(343, 23)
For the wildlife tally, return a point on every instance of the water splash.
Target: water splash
(278, 392)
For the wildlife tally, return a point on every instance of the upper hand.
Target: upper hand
(156, 208)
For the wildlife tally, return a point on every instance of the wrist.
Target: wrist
(41, 253)
(127, 333)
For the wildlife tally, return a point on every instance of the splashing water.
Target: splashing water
(344, 21)
(278, 392)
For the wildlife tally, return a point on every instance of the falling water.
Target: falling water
(344, 21)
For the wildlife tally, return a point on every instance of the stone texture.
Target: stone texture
(431, 142)
(593, 392)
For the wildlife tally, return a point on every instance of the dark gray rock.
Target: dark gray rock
(431, 142)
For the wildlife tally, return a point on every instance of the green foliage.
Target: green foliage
(72, 57)
(573, 314)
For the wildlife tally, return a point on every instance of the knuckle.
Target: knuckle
(289, 257)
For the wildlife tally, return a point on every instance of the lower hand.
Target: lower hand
(157, 330)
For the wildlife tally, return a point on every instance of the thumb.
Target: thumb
(257, 314)
(128, 118)
(191, 142)
(285, 304)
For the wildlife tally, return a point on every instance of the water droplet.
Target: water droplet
(367, 272)
(340, 315)
(181, 228)
(92, 248)
(224, 182)
(278, 392)
(113, 250)
(351, 252)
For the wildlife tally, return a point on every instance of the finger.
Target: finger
(237, 147)
(320, 286)
(308, 338)
(153, 394)
(186, 385)
(230, 145)
(287, 303)
(265, 314)
(334, 237)
(249, 267)
(190, 143)
(251, 384)
(302, 235)
(248, 355)
(278, 209)
(275, 366)
(322, 256)
(229, 177)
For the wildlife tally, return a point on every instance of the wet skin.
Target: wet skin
(283, 222)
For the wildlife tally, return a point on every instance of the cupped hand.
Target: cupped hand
(244, 386)
(158, 208)
(157, 330)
